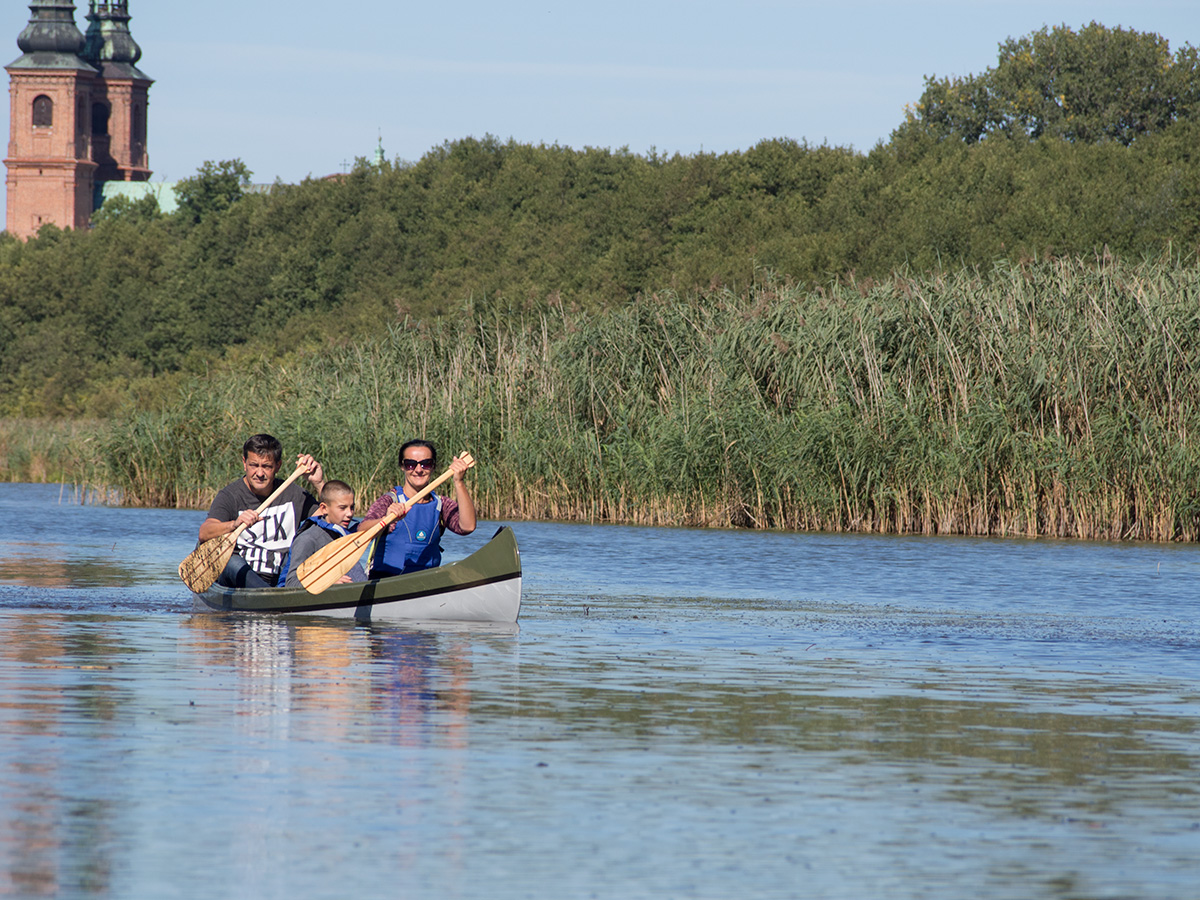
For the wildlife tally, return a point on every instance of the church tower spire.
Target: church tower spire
(49, 160)
(120, 99)
(50, 40)
(108, 44)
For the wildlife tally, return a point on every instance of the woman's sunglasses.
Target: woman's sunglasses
(410, 464)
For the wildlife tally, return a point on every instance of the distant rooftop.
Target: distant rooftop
(162, 191)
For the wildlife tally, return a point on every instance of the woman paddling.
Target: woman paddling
(414, 541)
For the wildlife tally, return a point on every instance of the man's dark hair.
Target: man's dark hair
(417, 443)
(263, 445)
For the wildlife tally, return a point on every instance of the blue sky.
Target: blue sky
(302, 88)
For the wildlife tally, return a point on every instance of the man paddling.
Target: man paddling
(261, 548)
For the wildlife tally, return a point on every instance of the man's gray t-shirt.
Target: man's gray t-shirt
(265, 543)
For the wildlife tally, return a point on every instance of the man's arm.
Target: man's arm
(313, 471)
(211, 528)
(224, 516)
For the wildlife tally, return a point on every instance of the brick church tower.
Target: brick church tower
(119, 95)
(77, 114)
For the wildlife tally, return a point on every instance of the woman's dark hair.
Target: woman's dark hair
(263, 445)
(417, 443)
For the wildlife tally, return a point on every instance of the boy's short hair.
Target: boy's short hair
(263, 445)
(333, 489)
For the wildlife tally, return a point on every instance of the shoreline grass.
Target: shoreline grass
(52, 451)
(1055, 398)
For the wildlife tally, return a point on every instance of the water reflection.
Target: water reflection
(80, 693)
(369, 682)
(54, 689)
(263, 721)
(828, 709)
(859, 718)
(62, 571)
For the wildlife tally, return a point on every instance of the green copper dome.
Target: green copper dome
(108, 45)
(50, 40)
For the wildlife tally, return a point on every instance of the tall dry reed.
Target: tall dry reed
(1053, 398)
(51, 450)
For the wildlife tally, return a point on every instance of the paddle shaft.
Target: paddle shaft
(327, 565)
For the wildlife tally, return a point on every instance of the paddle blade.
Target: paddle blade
(203, 565)
(325, 567)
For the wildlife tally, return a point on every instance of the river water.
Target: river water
(679, 713)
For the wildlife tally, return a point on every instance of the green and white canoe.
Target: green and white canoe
(483, 587)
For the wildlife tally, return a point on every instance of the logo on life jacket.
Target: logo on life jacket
(421, 535)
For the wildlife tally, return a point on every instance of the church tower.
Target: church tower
(77, 114)
(49, 139)
(119, 98)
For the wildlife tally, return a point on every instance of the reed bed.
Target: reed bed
(52, 450)
(1052, 398)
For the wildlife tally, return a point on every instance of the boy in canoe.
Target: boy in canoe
(332, 520)
(261, 548)
(414, 541)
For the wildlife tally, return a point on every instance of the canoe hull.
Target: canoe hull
(483, 587)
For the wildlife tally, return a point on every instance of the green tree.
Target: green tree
(214, 188)
(1090, 86)
(144, 209)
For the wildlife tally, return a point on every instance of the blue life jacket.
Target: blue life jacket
(416, 541)
(337, 531)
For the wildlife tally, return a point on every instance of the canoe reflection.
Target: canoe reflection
(372, 682)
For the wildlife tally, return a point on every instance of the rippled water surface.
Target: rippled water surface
(679, 714)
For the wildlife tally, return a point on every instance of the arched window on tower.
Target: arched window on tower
(100, 115)
(43, 111)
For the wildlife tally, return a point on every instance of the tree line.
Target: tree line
(1068, 148)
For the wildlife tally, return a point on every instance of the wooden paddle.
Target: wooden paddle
(331, 562)
(204, 564)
